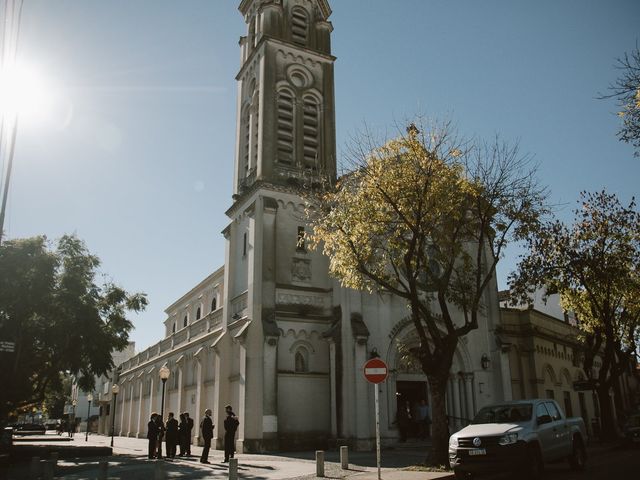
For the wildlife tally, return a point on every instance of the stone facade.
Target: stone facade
(270, 332)
(541, 348)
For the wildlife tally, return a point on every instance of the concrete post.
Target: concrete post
(344, 457)
(34, 469)
(103, 470)
(319, 463)
(233, 469)
(54, 458)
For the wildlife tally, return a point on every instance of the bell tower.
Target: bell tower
(286, 106)
(277, 292)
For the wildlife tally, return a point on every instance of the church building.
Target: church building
(270, 332)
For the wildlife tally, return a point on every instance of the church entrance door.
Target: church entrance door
(409, 395)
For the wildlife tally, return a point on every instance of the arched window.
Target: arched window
(214, 303)
(184, 322)
(198, 313)
(301, 360)
(285, 127)
(299, 26)
(311, 120)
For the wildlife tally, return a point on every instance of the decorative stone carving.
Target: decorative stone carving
(295, 299)
(301, 270)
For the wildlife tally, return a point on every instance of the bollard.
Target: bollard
(53, 458)
(35, 468)
(159, 472)
(233, 469)
(47, 469)
(103, 470)
(344, 457)
(319, 463)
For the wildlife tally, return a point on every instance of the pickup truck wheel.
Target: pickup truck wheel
(578, 458)
(535, 465)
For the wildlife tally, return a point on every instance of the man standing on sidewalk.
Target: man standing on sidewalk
(152, 435)
(189, 432)
(206, 426)
(230, 426)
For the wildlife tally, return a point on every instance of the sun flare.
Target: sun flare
(24, 92)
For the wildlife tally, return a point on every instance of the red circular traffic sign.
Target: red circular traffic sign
(375, 371)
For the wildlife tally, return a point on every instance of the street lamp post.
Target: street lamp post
(89, 398)
(72, 426)
(164, 375)
(114, 390)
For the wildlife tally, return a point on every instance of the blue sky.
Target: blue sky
(137, 158)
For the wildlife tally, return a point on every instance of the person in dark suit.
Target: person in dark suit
(189, 432)
(152, 435)
(161, 429)
(172, 435)
(230, 426)
(207, 434)
(183, 428)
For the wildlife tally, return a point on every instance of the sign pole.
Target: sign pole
(377, 400)
(376, 371)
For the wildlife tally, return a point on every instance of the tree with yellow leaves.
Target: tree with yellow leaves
(426, 217)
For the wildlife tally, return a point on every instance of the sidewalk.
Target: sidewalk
(129, 461)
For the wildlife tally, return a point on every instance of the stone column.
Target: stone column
(333, 379)
(270, 400)
(200, 376)
(151, 389)
(242, 354)
(468, 387)
(139, 432)
(505, 373)
(122, 409)
(180, 374)
(217, 434)
(455, 381)
(363, 393)
(129, 420)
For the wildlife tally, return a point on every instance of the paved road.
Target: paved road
(129, 462)
(609, 464)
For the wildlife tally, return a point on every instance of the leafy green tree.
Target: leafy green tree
(626, 90)
(594, 264)
(59, 318)
(426, 218)
(57, 395)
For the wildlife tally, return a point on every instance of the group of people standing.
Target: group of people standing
(413, 420)
(173, 432)
(231, 423)
(179, 433)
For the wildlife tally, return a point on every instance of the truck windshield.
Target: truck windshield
(503, 414)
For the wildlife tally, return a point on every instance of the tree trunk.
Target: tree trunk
(439, 425)
(608, 429)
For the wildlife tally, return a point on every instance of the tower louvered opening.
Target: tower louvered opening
(285, 127)
(299, 26)
(311, 122)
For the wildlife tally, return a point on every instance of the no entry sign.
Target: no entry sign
(375, 371)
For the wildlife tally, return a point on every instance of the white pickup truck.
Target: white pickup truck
(519, 437)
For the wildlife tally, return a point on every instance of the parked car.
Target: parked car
(518, 437)
(631, 428)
